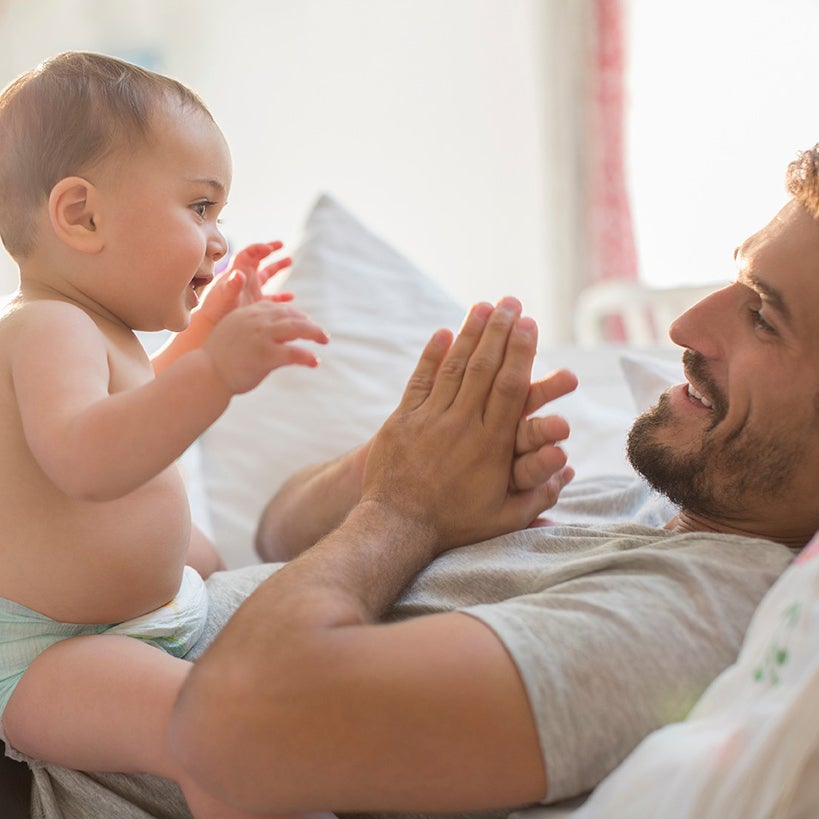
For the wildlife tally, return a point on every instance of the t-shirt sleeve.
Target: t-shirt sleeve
(609, 656)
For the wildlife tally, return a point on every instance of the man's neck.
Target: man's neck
(685, 521)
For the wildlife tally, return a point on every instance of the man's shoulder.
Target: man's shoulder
(729, 547)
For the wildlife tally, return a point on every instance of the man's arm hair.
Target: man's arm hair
(308, 505)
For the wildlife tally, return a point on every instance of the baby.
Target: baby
(112, 180)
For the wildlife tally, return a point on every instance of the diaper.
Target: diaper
(174, 628)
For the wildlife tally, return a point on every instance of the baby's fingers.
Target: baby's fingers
(533, 433)
(279, 298)
(248, 258)
(292, 327)
(554, 385)
(267, 272)
(548, 492)
(535, 468)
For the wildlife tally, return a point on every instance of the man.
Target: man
(523, 668)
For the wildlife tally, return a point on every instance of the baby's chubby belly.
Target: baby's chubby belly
(101, 562)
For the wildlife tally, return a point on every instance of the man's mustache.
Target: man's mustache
(696, 369)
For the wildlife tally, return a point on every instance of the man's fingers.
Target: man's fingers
(422, 380)
(450, 376)
(511, 383)
(487, 361)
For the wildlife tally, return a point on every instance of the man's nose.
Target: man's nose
(706, 326)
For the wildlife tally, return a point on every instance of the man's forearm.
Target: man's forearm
(351, 576)
(284, 650)
(309, 505)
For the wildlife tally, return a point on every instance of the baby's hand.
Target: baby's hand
(254, 339)
(241, 284)
(538, 455)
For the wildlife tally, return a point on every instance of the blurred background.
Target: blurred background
(505, 146)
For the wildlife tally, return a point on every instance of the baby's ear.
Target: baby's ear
(72, 208)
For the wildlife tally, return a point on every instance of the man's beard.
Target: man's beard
(722, 476)
(682, 478)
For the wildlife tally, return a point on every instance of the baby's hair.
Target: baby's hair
(802, 179)
(62, 117)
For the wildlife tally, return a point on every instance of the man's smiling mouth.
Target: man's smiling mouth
(696, 394)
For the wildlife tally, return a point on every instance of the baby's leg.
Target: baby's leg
(102, 703)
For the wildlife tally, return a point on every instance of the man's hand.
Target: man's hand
(330, 490)
(445, 457)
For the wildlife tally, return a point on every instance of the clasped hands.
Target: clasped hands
(462, 452)
(460, 456)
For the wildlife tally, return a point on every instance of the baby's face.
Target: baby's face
(161, 206)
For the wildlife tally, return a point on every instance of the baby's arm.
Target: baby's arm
(202, 554)
(241, 284)
(98, 440)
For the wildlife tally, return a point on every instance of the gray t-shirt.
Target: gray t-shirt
(616, 629)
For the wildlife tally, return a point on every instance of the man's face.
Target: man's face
(737, 447)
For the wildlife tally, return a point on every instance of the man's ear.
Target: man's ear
(72, 207)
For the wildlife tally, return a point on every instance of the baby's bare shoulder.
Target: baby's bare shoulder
(43, 324)
(43, 320)
(20, 313)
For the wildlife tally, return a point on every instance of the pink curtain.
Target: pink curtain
(614, 254)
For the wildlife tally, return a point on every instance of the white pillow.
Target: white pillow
(649, 375)
(379, 311)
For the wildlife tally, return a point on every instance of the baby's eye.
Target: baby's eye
(201, 208)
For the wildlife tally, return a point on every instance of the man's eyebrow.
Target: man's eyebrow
(771, 294)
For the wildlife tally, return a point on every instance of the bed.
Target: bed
(379, 309)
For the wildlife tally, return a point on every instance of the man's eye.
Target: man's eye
(759, 320)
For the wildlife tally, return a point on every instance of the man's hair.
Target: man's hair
(62, 117)
(802, 180)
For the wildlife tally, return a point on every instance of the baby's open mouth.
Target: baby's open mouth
(199, 283)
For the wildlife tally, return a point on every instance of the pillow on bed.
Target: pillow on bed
(649, 375)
